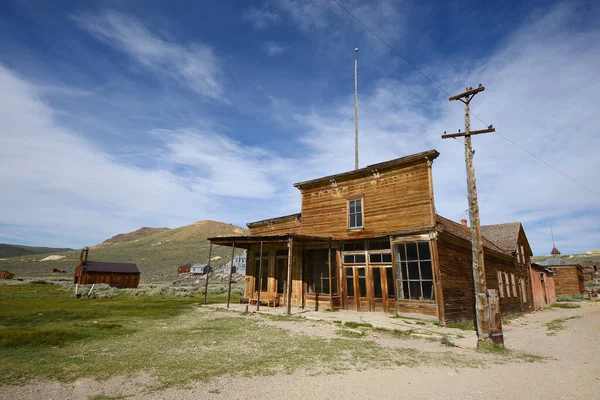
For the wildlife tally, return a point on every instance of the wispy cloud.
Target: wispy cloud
(194, 65)
(261, 18)
(273, 49)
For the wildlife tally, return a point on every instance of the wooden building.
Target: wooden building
(568, 278)
(512, 238)
(370, 240)
(120, 275)
(6, 275)
(542, 283)
(184, 269)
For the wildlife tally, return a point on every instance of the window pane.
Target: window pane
(387, 257)
(426, 272)
(358, 220)
(411, 251)
(415, 290)
(404, 271)
(350, 281)
(424, 251)
(360, 258)
(362, 283)
(389, 275)
(400, 252)
(325, 285)
(349, 259)
(405, 287)
(413, 270)
(428, 290)
(377, 293)
(352, 220)
(358, 204)
(352, 208)
(374, 258)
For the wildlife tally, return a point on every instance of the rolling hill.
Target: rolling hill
(15, 250)
(157, 251)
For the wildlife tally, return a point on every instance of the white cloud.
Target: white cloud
(194, 65)
(261, 18)
(62, 189)
(273, 49)
(541, 94)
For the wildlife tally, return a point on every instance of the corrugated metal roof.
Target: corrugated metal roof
(113, 268)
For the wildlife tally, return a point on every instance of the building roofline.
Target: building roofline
(276, 220)
(396, 163)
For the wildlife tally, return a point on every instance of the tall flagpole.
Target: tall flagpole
(356, 109)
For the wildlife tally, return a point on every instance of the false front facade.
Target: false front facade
(371, 240)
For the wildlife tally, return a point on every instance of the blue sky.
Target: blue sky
(117, 115)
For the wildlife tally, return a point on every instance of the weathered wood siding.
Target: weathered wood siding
(543, 291)
(568, 281)
(455, 264)
(275, 229)
(120, 280)
(394, 201)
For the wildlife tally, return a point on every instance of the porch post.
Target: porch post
(230, 272)
(289, 274)
(259, 276)
(330, 278)
(207, 270)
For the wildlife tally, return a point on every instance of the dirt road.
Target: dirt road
(571, 371)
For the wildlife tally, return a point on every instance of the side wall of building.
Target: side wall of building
(568, 281)
(120, 280)
(455, 264)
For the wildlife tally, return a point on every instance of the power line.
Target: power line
(448, 94)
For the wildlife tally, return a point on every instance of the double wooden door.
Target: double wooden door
(369, 288)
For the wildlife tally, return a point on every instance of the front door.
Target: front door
(356, 288)
(369, 289)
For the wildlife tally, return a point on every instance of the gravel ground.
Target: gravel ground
(571, 371)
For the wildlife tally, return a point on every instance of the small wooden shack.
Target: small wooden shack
(184, 269)
(6, 275)
(568, 279)
(542, 284)
(120, 275)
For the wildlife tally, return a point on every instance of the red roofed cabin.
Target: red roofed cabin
(120, 275)
(6, 275)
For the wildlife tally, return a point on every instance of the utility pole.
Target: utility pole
(480, 286)
(356, 109)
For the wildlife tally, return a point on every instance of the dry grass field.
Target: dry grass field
(53, 345)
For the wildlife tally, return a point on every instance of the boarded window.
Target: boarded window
(523, 254)
(513, 284)
(523, 292)
(355, 214)
(414, 273)
(506, 284)
(318, 271)
(500, 286)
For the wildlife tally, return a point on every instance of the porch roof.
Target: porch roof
(245, 241)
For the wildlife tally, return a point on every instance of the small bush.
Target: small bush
(575, 298)
(446, 341)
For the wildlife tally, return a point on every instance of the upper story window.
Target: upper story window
(355, 214)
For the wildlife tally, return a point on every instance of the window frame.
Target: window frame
(399, 283)
(361, 213)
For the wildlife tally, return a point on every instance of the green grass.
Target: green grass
(446, 341)
(575, 298)
(465, 326)
(558, 325)
(565, 305)
(47, 334)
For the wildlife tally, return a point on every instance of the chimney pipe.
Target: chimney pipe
(463, 222)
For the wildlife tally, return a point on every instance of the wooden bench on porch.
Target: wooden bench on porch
(268, 299)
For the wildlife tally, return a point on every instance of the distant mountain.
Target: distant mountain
(14, 250)
(157, 251)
